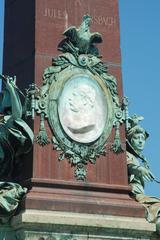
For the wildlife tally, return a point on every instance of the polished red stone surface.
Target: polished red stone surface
(33, 29)
(52, 18)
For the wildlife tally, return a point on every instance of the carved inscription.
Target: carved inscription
(109, 22)
(102, 20)
(54, 13)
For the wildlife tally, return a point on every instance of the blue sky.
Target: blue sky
(140, 46)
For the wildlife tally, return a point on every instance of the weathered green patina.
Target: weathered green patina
(79, 62)
(15, 140)
(140, 172)
(80, 40)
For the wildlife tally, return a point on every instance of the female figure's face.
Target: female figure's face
(138, 141)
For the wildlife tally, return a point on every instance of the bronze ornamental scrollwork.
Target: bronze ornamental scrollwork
(78, 153)
(80, 100)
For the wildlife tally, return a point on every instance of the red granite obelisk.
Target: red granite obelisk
(33, 29)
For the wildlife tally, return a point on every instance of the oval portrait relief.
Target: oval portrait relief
(82, 109)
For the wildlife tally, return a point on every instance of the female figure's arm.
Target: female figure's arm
(15, 100)
(140, 171)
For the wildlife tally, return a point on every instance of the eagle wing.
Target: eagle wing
(96, 38)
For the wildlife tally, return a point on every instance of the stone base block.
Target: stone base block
(50, 225)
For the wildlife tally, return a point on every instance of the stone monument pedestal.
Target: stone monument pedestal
(34, 36)
(56, 205)
(53, 225)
